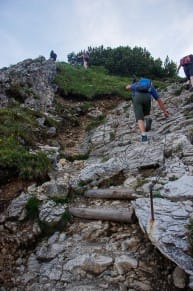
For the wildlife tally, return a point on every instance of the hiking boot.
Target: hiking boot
(143, 138)
(148, 123)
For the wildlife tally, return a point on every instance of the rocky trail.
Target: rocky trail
(108, 242)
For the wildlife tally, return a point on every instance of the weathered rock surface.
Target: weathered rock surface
(32, 78)
(89, 253)
(168, 230)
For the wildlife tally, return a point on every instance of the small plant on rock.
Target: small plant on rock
(32, 208)
(157, 194)
(173, 178)
(98, 121)
(178, 91)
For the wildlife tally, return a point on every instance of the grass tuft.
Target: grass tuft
(32, 208)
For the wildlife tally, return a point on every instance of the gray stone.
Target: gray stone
(181, 188)
(17, 206)
(51, 212)
(124, 263)
(179, 277)
(167, 232)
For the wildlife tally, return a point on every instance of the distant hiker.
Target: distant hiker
(53, 55)
(84, 57)
(142, 91)
(85, 60)
(187, 64)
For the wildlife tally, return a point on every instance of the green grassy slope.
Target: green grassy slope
(90, 83)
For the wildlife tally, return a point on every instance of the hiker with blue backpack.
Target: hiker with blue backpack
(142, 91)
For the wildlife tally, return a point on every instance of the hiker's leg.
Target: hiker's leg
(190, 74)
(148, 123)
(191, 81)
(146, 117)
(142, 129)
(138, 104)
(187, 72)
(138, 110)
(191, 84)
(146, 111)
(141, 126)
(85, 64)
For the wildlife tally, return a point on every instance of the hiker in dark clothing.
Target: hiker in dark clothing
(142, 107)
(187, 64)
(53, 55)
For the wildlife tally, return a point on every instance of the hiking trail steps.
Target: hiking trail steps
(105, 246)
(118, 213)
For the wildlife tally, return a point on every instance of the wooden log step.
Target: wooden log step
(119, 193)
(110, 214)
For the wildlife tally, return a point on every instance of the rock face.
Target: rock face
(96, 253)
(29, 82)
(168, 231)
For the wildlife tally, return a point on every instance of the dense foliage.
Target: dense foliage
(125, 61)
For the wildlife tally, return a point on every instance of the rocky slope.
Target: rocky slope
(72, 245)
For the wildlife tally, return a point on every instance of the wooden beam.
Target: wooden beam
(110, 214)
(119, 193)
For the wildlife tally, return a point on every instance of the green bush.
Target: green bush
(32, 208)
(28, 166)
(19, 131)
(34, 166)
(21, 124)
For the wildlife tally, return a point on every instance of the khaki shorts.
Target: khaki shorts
(142, 105)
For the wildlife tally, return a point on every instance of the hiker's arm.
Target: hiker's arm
(128, 87)
(162, 106)
(178, 68)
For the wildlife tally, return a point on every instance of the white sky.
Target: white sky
(30, 28)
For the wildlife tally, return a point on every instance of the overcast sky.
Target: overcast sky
(30, 28)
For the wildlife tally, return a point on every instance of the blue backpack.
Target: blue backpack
(143, 85)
